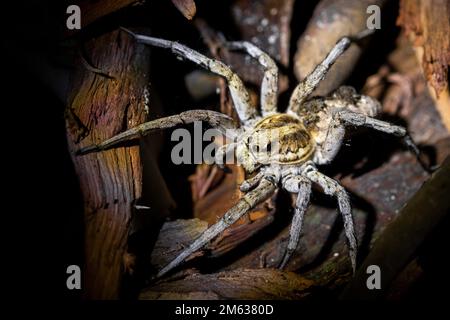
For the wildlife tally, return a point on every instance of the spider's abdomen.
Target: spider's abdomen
(281, 138)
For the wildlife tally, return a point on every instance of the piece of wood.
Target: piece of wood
(186, 7)
(174, 237)
(402, 89)
(253, 284)
(427, 24)
(402, 238)
(98, 108)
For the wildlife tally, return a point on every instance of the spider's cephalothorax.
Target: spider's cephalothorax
(275, 139)
(281, 150)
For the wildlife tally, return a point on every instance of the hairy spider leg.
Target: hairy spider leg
(311, 82)
(327, 149)
(346, 117)
(216, 119)
(302, 187)
(252, 182)
(269, 85)
(333, 188)
(239, 93)
(223, 153)
(244, 205)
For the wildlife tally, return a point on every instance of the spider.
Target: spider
(310, 132)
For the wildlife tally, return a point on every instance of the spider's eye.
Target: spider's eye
(255, 148)
(269, 147)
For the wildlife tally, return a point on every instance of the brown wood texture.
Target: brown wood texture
(404, 236)
(98, 108)
(261, 284)
(427, 24)
(186, 7)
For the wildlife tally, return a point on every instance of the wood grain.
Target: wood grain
(427, 25)
(261, 284)
(98, 108)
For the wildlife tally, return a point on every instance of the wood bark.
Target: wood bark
(98, 108)
(427, 25)
(253, 284)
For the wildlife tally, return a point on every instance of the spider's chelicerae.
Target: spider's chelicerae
(309, 133)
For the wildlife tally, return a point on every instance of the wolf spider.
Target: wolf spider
(309, 133)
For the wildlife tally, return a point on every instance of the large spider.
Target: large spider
(309, 133)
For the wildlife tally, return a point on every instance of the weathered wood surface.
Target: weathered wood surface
(183, 231)
(403, 237)
(98, 108)
(186, 7)
(253, 284)
(402, 88)
(427, 24)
